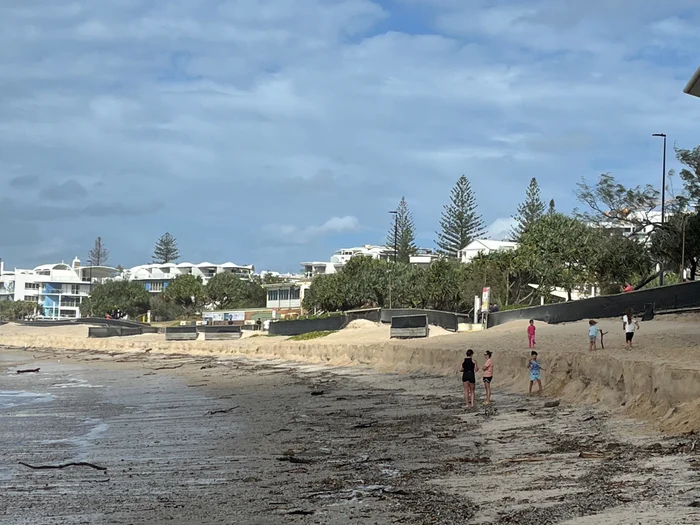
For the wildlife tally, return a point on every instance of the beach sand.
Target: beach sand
(657, 382)
(204, 439)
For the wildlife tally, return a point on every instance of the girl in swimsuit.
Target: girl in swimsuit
(469, 368)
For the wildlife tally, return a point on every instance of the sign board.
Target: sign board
(234, 316)
(485, 296)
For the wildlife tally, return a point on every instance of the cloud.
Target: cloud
(23, 182)
(289, 234)
(501, 229)
(69, 190)
(214, 119)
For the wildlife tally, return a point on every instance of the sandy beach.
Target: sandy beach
(350, 428)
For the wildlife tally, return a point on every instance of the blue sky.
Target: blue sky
(269, 132)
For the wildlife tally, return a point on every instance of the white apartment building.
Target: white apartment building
(424, 257)
(483, 246)
(155, 277)
(341, 257)
(57, 289)
(629, 229)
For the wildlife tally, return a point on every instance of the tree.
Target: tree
(552, 207)
(187, 291)
(460, 223)
(226, 290)
(166, 249)
(612, 204)
(16, 310)
(669, 246)
(690, 177)
(442, 288)
(98, 255)
(402, 233)
(558, 250)
(529, 211)
(128, 296)
(617, 260)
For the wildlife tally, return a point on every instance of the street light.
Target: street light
(395, 213)
(693, 85)
(663, 195)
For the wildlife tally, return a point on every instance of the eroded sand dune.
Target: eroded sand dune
(658, 381)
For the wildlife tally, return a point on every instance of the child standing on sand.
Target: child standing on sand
(629, 325)
(592, 335)
(535, 367)
(488, 375)
(469, 367)
(531, 334)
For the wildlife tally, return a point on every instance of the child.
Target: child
(535, 367)
(469, 367)
(592, 335)
(488, 376)
(531, 334)
(629, 325)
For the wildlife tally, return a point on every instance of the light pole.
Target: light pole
(663, 195)
(682, 273)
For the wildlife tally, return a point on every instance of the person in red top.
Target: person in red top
(531, 334)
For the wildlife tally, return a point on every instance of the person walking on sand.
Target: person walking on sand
(531, 334)
(592, 335)
(629, 325)
(535, 367)
(488, 376)
(469, 368)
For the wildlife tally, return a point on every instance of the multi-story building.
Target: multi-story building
(286, 298)
(155, 277)
(57, 289)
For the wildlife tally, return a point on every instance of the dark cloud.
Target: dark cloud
(69, 190)
(20, 213)
(23, 182)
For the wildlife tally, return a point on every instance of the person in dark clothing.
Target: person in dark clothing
(469, 368)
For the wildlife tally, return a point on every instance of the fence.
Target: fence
(304, 326)
(673, 297)
(112, 331)
(406, 326)
(447, 320)
(181, 333)
(370, 314)
(221, 332)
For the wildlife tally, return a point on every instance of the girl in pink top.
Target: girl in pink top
(531, 334)
(488, 375)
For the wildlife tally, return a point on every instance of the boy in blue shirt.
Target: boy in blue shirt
(535, 367)
(592, 335)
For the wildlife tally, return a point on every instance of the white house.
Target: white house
(424, 257)
(284, 298)
(58, 289)
(343, 255)
(630, 229)
(155, 277)
(484, 246)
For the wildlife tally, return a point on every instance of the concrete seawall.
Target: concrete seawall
(666, 395)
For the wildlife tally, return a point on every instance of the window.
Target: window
(295, 293)
(31, 286)
(272, 295)
(75, 289)
(284, 294)
(157, 286)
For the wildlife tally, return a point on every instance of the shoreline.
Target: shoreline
(252, 441)
(642, 384)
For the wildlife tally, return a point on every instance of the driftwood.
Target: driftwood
(29, 371)
(224, 411)
(168, 367)
(592, 455)
(63, 465)
(534, 459)
(294, 459)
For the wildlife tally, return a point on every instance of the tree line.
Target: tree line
(184, 296)
(165, 251)
(616, 240)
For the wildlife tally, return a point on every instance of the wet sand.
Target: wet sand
(201, 439)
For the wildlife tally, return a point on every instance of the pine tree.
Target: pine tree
(529, 211)
(402, 233)
(552, 208)
(460, 223)
(166, 249)
(98, 255)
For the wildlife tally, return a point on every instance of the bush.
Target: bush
(162, 310)
(309, 335)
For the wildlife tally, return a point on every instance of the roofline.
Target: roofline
(692, 87)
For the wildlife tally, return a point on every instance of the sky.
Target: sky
(271, 132)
